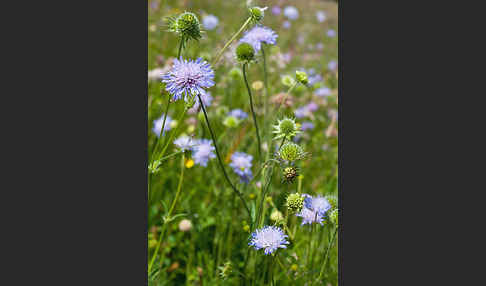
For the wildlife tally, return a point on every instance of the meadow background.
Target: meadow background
(207, 241)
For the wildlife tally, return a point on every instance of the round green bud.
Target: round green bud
(290, 173)
(334, 216)
(333, 201)
(276, 216)
(257, 13)
(231, 122)
(295, 202)
(286, 128)
(235, 73)
(301, 77)
(291, 152)
(288, 80)
(245, 52)
(188, 26)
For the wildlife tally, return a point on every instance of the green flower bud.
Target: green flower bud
(291, 152)
(235, 73)
(301, 77)
(295, 202)
(290, 173)
(186, 25)
(334, 216)
(288, 80)
(286, 128)
(231, 122)
(245, 52)
(257, 13)
(276, 216)
(333, 201)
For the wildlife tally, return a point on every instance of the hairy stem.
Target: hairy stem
(220, 53)
(253, 113)
(220, 161)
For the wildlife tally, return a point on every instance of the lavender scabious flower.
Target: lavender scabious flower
(317, 204)
(307, 126)
(258, 35)
(306, 110)
(323, 91)
(210, 22)
(158, 125)
(241, 164)
(276, 10)
(309, 217)
(321, 16)
(206, 99)
(203, 151)
(269, 237)
(332, 65)
(188, 77)
(286, 24)
(331, 33)
(185, 143)
(238, 113)
(291, 12)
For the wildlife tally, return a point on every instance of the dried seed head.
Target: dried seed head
(290, 173)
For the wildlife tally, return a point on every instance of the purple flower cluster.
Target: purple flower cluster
(238, 113)
(203, 151)
(241, 164)
(258, 35)
(314, 210)
(158, 125)
(306, 110)
(188, 77)
(270, 238)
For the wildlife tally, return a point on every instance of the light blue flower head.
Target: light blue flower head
(291, 12)
(258, 35)
(188, 77)
(317, 204)
(185, 143)
(241, 164)
(203, 151)
(210, 22)
(270, 238)
(238, 113)
(158, 125)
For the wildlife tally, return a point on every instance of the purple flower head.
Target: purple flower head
(306, 110)
(188, 77)
(317, 204)
(291, 12)
(238, 113)
(241, 164)
(307, 126)
(269, 237)
(203, 151)
(158, 125)
(323, 91)
(309, 217)
(286, 24)
(276, 10)
(332, 65)
(210, 22)
(258, 35)
(206, 99)
(321, 16)
(185, 143)
(331, 33)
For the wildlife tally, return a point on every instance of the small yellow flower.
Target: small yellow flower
(257, 85)
(246, 228)
(251, 196)
(294, 267)
(189, 163)
(191, 128)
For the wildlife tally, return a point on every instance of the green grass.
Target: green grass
(218, 233)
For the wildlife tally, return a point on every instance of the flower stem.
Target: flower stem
(172, 134)
(327, 253)
(159, 138)
(220, 53)
(169, 214)
(180, 47)
(219, 159)
(265, 83)
(285, 97)
(253, 113)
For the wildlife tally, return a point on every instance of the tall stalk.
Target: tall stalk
(253, 113)
(220, 53)
(219, 159)
(327, 254)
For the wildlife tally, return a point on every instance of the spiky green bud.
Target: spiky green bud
(291, 152)
(231, 122)
(301, 77)
(245, 52)
(186, 25)
(257, 13)
(295, 202)
(286, 128)
(334, 216)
